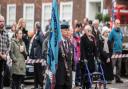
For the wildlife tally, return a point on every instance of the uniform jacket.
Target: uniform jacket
(61, 73)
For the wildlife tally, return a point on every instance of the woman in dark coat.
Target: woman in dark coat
(88, 52)
(106, 57)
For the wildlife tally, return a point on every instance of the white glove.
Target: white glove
(108, 60)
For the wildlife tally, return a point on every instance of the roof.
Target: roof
(119, 6)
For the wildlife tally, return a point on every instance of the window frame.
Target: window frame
(61, 10)
(43, 18)
(24, 13)
(8, 6)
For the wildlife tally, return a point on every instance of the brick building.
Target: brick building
(40, 10)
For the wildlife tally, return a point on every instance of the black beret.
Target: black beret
(64, 25)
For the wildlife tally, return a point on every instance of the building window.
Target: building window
(28, 15)
(66, 11)
(11, 14)
(46, 14)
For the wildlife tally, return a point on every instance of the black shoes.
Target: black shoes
(109, 82)
(119, 81)
(37, 88)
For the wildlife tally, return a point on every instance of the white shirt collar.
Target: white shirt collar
(63, 39)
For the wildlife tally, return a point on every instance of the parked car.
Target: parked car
(29, 71)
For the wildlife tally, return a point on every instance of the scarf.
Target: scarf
(105, 47)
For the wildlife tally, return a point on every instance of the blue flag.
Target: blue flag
(55, 38)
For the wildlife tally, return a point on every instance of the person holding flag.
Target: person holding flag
(64, 68)
(53, 47)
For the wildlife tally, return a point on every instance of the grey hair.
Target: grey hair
(37, 25)
(88, 27)
(95, 21)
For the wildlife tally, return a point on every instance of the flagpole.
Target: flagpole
(113, 11)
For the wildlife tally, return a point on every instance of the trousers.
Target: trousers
(16, 81)
(63, 87)
(117, 63)
(2, 69)
(38, 75)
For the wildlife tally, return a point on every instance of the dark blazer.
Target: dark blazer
(98, 39)
(61, 74)
(36, 49)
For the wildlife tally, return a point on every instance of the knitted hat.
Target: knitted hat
(104, 29)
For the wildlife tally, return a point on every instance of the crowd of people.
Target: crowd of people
(85, 42)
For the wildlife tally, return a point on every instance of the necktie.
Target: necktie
(65, 43)
(66, 46)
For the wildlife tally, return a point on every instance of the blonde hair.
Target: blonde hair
(19, 25)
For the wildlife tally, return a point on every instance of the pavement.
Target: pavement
(29, 85)
(119, 85)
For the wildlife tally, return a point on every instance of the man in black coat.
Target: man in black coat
(64, 68)
(36, 53)
(97, 34)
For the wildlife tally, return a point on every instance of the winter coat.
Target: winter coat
(18, 58)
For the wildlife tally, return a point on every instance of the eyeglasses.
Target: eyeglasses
(89, 30)
(20, 33)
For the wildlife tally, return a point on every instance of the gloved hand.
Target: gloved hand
(108, 60)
